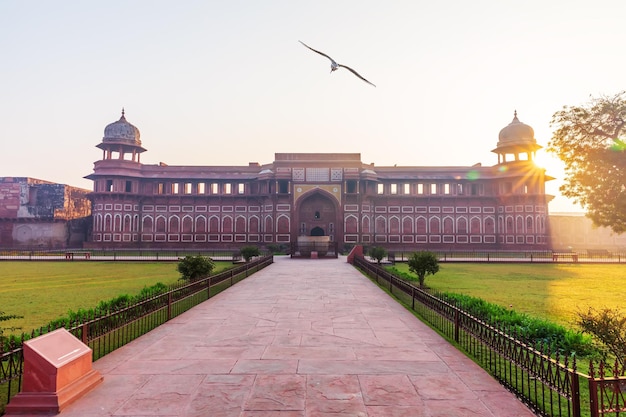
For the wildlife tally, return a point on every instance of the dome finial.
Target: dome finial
(123, 112)
(514, 112)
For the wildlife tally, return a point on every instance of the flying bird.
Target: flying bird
(334, 66)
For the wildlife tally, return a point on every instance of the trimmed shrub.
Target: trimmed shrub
(248, 252)
(194, 267)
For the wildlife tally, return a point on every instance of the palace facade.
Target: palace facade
(499, 207)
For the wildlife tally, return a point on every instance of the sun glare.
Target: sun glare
(553, 165)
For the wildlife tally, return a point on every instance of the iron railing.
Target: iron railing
(550, 385)
(105, 331)
(546, 256)
(78, 254)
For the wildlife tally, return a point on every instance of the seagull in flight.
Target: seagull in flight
(334, 66)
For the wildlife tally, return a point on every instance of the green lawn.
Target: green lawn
(43, 291)
(553, 292)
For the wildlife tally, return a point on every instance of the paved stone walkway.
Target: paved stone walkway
(301, 338)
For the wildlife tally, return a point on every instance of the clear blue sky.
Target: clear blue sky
(227, 83)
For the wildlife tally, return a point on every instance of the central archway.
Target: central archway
(317, 215)
(317, 231)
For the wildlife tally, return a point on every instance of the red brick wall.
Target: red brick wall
(9, 198)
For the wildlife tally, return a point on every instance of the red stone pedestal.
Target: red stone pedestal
(313, 254)
(57, 371)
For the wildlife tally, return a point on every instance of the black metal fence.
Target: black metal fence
(548, 384)
(552, 256)
(77, 254)
(105, 331)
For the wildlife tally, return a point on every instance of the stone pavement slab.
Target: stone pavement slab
(301, 338)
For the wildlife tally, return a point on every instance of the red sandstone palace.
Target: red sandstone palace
(499, 207)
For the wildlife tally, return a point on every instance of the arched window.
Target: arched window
(107, 222)
(187, 224)
(394, 225)
(282, 224)
(174, 225)
(269, 225)
(475, 226)
(509, 225)
(461, 226)
(420, 226)
(253, 225)
(351, 225)
(366, 225)
(147, 225)
(200, 224)
(407, 226)
(240, 225)
(227, 224)
(214, 224)
(434, 226)
(381, 225)
(117, 223)
(489, 226)
(127, 223)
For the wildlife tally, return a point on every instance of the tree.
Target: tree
(609, 327)
(591, 141)
(378, 253)
(193, 267)
(423, 263)
(248, 252)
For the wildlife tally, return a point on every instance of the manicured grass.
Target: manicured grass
(552, 292)
(44, 291)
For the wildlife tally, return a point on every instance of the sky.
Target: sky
(227, 82)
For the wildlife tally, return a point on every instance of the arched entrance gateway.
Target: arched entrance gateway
(318, 223)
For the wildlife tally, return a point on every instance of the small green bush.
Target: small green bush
(248, 252)
(194, 267)
(423, 263)
(378, 253)
(609, 327)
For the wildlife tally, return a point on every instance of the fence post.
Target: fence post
(456, 324)
(593, 392)
(169, 305)
(208, 289)
(412, 298)
(84, 333)
(575, 386)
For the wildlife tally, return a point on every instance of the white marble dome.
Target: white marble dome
(516, 133)
(122, 131)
